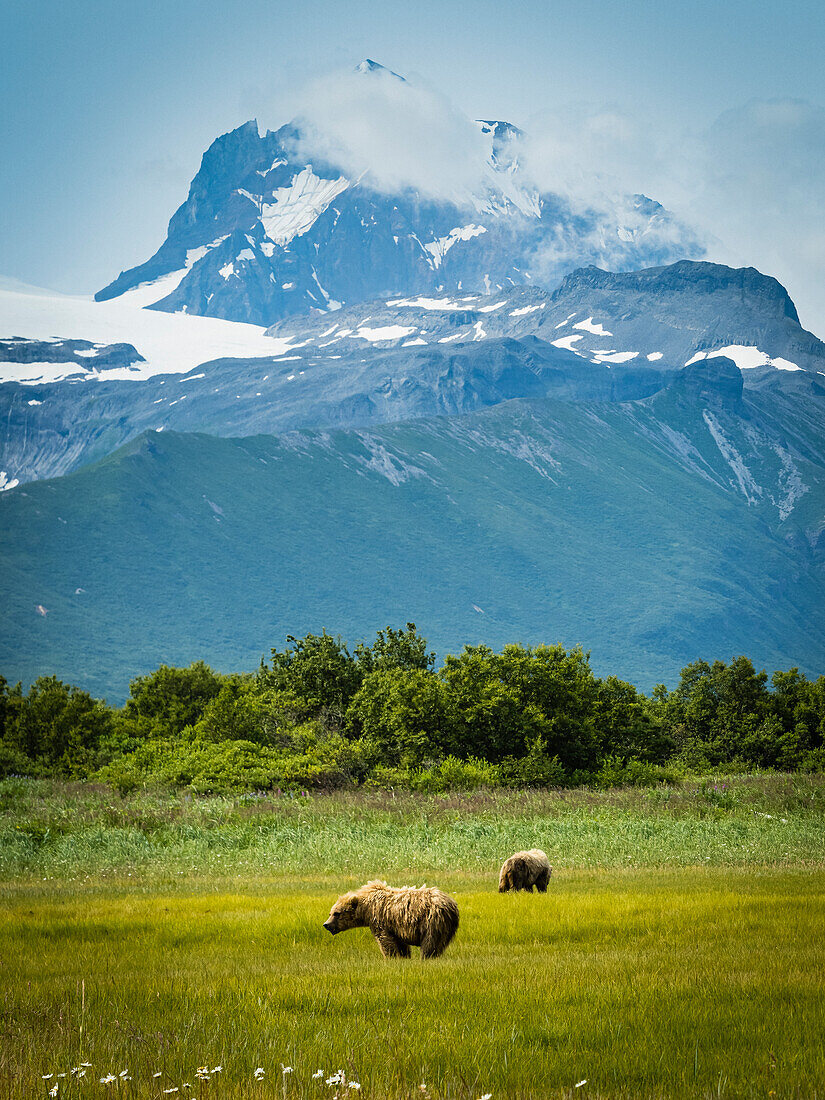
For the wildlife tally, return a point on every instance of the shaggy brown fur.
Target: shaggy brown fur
(399, 917)
(524, 870)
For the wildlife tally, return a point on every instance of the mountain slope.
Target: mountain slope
(66, 426)
(600, 336)
(628, 527)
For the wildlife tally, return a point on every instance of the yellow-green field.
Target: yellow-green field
(663, 980)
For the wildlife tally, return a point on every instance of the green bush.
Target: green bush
(616, 772)
(321, 716)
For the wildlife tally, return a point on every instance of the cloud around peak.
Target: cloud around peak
(400, 130)
(751, 186)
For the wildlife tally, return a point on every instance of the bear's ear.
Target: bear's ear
(353, 903)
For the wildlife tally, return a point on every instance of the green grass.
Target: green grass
(640, 971)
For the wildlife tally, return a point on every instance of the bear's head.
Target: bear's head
(345, 913)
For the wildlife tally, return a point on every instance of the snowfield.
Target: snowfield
(171, 343)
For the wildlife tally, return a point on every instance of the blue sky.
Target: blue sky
(107, 107)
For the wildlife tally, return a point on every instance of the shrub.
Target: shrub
(407, 714)
(616, 772)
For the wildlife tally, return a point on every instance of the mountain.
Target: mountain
(330, 402)
(599, 336)
(684, 524)
(273, 228)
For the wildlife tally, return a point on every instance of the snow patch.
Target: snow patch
(6, 482)
(439, 248)
(427, 303)
(588, 326)
(567, 342)
(613, 356)
(275, 164)
(147, 294)
(387, 332)
(331, 303)
(528, 309)
(296, 208)
(745, 357)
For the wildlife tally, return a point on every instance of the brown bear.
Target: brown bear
(524, 870)
(399, 917)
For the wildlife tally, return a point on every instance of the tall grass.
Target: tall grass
(76, 831)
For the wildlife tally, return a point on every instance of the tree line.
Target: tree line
(320, 715)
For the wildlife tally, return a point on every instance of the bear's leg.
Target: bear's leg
(541, 882)
(529, 887)
(432, 946)
(391, 946)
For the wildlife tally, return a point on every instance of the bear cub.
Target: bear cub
(524, 870)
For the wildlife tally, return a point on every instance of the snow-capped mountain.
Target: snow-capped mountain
(599, 337)
(268, 232)
(347, 404)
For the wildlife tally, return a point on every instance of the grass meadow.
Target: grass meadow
(679, 951)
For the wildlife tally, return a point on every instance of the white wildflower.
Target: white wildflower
(86, 1065)
(167, 1091)
(579, 1084)
(486, 1096)
(54, 1091)
(353, 1085)
(286, 1069)
(217, 1069)
(315, 1076)
(336, 1078)
(108, 1079)
(124, 1073)
(47, 1076)
(158, 1074)
(259, 1073)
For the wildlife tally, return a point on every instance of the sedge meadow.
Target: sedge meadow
(678, 951)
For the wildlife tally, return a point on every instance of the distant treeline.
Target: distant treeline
(320, 715)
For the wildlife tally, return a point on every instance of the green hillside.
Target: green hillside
(531, 521)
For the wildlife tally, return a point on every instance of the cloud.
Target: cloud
(760, 188)
(751, 186)
(401, 131)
